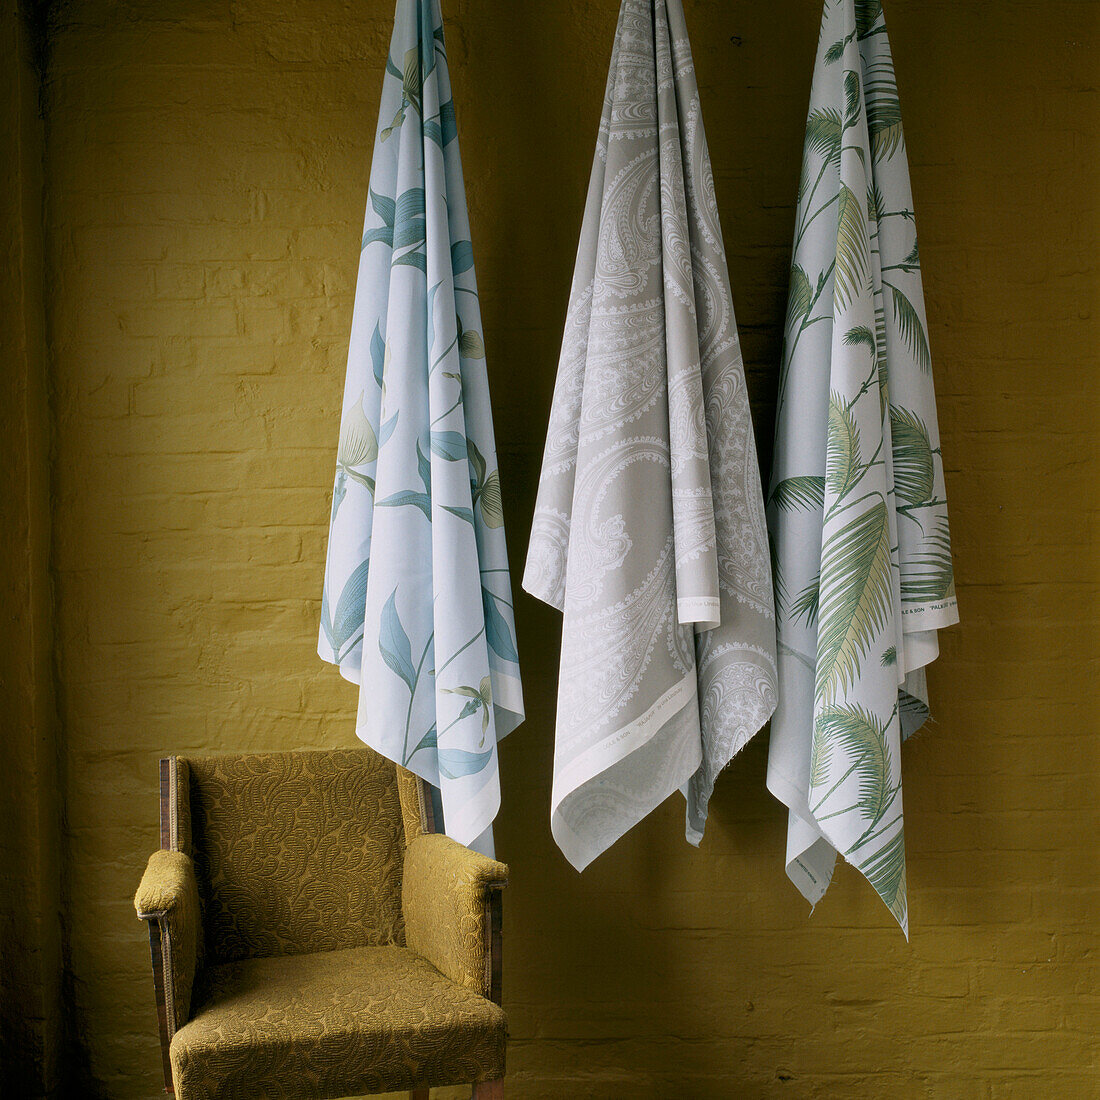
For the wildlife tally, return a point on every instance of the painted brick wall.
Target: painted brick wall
(30, 929)
(206, 165)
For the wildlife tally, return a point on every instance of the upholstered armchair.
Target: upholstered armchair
(313, 937)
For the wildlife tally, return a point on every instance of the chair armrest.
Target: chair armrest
(451, 899)
(168, 898)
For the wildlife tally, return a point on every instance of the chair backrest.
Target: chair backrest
(295, 852)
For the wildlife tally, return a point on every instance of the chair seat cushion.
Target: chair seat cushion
(337, 1023)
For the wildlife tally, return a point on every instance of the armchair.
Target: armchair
(312, 937)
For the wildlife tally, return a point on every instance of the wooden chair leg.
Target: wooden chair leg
(488, 1090)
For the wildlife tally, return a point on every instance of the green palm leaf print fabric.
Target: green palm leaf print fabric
(417, 603)
(856, 508)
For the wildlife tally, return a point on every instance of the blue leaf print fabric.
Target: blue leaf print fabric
(417, 601)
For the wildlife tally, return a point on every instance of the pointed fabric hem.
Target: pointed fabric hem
(857, 505)
(649, 532)
(417, 600)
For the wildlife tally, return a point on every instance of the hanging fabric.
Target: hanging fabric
(857, 507)
(417, 605)
(649, 532)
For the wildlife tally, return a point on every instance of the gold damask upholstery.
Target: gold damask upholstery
(410, 792)
(364, 1019)
(278, 909)
(169, 894)
(296, 852)
(445, 921)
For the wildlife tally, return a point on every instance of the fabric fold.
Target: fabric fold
(649, 532)
(857, 507)
(417, 603)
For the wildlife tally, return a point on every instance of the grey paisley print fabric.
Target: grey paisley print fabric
(296, 852)
(337, 1023)
(649, 531)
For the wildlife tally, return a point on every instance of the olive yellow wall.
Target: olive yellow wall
(206, 164)
(30, 880)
